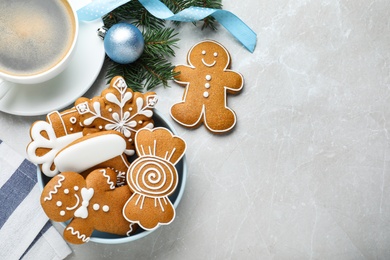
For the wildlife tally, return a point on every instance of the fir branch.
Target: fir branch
(153, 67)
(159, 71)
(160, 42)
(132, 74)
(135, 13)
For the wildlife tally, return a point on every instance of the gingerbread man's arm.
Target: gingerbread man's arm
(78, 231)
(186, 74)
(234, 81)
(102, 180)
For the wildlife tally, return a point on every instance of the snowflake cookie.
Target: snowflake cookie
(118, 108)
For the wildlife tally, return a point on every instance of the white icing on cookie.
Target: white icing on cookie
(77, 233)
(209, 64)
(90, 152)
(109, 182)
(73, 120)
(55, 188)
(122, 121)
(52, 143)
(76, 204)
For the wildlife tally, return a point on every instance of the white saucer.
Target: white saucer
(61, 91)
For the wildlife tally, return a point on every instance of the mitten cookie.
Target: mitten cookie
(118, 108)
(94, 203)
(50, 136)
(152, 177)
(97, 150)
(207, 79)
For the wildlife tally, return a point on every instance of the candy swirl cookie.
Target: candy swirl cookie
(152, 177)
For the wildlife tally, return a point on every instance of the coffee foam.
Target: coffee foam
(36, 35)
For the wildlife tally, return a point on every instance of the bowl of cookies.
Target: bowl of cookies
(111, 169)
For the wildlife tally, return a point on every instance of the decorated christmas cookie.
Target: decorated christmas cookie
(97, 150)
(94, 203)
(90, 150)
(118, 108)
(208, 80)
(152, 177)
(50, 136)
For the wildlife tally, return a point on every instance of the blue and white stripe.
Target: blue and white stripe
(23, 224)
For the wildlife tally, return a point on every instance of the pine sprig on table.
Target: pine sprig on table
(153, 68)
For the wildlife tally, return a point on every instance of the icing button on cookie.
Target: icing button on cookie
(96, 206)
(206, 94)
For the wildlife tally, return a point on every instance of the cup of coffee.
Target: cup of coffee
(37, 39)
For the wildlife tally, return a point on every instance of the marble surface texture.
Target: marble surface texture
(306, 172)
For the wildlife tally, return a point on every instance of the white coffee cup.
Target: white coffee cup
(38, 39)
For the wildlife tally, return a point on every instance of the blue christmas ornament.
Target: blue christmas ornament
(123, 42)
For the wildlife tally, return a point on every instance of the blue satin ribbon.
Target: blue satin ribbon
(231, 22)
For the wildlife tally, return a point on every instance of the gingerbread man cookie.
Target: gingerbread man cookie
(94, 203)
(118, 108)
(152, 177)
(207, 79)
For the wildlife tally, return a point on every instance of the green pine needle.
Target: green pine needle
(160, 42)
(153, 68)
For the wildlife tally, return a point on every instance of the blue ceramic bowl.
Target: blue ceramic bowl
(181, 167)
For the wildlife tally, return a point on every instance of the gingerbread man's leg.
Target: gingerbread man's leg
(187, 113)
(218, 117)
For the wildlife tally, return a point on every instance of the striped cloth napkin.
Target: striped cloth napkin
(25, 232)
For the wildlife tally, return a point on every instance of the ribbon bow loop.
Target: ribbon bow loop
(231, 22)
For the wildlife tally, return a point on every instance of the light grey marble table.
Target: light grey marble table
(306, 172)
